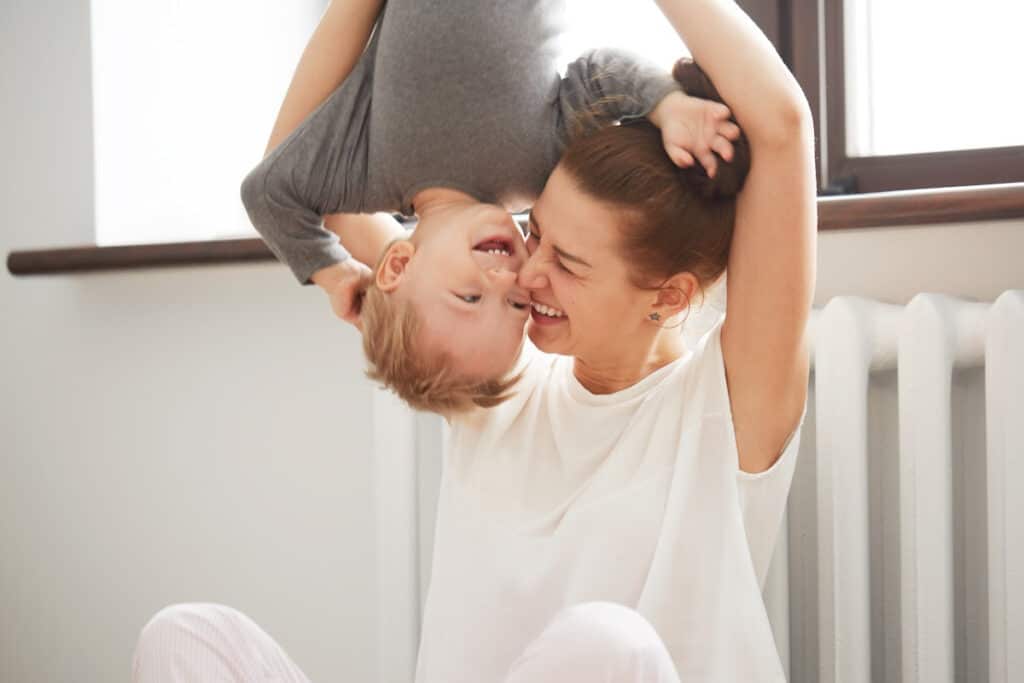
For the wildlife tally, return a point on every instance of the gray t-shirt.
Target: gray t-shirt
(463, 94)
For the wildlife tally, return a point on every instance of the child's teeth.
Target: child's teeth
(498, 251)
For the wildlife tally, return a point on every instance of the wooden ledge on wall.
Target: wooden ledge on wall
(887, 209)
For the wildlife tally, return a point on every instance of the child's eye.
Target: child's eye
(517, 305)
(469, 298)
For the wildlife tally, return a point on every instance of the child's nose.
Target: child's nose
(500, 277)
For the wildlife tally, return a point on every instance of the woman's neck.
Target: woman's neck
(615, 371)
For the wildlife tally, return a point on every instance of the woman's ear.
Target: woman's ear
(394, 265)
(675, 295)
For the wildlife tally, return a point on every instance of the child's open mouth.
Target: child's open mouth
(495, 245)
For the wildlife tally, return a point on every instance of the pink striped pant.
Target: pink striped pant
(588, 643)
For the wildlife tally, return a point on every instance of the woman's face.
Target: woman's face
(583, 303)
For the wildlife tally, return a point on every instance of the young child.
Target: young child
(455, 113)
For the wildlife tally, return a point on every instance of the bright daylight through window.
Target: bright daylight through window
(185, 94)
(916, 70)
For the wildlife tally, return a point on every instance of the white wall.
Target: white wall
(186, 434)
(180, 436)
(205, 433)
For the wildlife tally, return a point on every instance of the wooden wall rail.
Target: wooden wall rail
(914, 207)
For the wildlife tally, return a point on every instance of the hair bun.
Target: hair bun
(728, 181)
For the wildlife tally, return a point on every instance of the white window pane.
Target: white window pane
(933, 75)
(185, 94)
(637, 26)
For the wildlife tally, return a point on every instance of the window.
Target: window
(185, 94)
(909, 93)
(923, 76)
(637, 26)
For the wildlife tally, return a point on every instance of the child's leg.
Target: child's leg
(595, 642)
(207, 642)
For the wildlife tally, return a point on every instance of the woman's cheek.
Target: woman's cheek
(563, 285)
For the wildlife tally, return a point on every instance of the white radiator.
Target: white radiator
(903, 554)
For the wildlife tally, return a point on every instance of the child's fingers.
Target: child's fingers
(681, 157)
(729, 130)
(723, 147)
(707, 160)
(720, 110)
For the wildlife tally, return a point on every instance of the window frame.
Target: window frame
(809, 35)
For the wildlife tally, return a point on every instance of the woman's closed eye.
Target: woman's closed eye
(532, 241)
(558, 262)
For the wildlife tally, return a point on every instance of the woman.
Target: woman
(614, 520)
(631, 469)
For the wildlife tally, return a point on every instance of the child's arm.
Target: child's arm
(771, 266)
(332, 51)
(319, 166)
(606, 85)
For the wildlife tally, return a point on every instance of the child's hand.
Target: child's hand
(694, 129)
(345, 283)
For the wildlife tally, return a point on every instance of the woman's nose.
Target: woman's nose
(530, 275)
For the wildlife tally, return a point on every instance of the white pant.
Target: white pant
(596, 642)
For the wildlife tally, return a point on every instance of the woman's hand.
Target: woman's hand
(345, 283)
(694, 130)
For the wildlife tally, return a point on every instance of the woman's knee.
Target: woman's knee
(207, 641)
(173, 632)
(187, 619)
(599, 641)
(604, 624)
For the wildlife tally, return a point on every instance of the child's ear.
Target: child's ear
(396, 261)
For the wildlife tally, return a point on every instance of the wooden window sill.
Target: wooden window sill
(887, 209)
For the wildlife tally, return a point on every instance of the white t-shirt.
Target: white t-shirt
(560, 496)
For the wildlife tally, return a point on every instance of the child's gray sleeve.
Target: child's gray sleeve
(318, 170)
(607, 85)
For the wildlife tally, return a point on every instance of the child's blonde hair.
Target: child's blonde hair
(423, 379)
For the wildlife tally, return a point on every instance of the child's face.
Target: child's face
(459, 271)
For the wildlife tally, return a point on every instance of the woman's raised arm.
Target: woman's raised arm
(771, 270)
(329, 56)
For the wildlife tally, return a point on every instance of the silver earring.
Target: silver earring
(655, 317)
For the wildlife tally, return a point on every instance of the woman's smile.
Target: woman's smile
(542, 314)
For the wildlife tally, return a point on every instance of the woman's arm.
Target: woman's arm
(744, 66)
(332, 51)
(771, 270)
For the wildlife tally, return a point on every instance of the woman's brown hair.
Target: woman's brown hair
(676, 219)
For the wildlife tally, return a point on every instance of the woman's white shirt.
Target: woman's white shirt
(560, 496)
